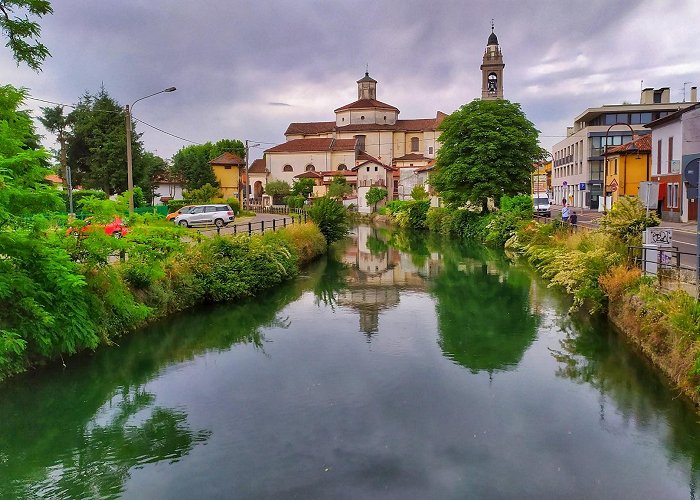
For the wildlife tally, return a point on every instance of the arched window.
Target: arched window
(414, 144)
(287, 168)
(310, 168)
(342, 166)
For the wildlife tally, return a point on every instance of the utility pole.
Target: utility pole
(246, 201)
(129, 165)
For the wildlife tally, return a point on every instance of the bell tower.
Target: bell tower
(492, 69)
(366, 87)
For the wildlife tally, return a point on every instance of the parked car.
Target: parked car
(116, 228)
(184, 210)
(201, 215)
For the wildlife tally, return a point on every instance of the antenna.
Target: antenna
(492, 25)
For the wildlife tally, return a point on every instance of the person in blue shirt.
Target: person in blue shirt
(565, 213)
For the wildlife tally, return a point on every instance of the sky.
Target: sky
(245, 70)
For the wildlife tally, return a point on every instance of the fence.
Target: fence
(672, 268)
(276, 209)
(254, 227)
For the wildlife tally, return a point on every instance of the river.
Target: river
(399, 367)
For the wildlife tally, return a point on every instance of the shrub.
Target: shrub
(331, 217)
(175, 205)
(295, 201)
(418, 193)
(205, 194)
(417, 214)
(306, 239)
(628, 219)
(395, 206)
(235, 205)
(618, 280)
(435, 218)
(80, 194)
(521, 203)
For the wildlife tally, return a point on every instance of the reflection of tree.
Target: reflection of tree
(375, 245)
(99, 465)
(484, 318)
(413, 243)
(594, 355)
(332, 280)
(53, 420)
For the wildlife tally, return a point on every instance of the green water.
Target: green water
(401, 367)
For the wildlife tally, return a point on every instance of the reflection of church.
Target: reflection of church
(378, 274)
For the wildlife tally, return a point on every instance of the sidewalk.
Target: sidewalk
(688, 227)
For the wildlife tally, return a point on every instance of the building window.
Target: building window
(342, 166)
(376, 169)
(367, 169)
(670, 153)
(310, 168)
(227, 167)
(658, 157)
(362, 117)
(430, 150)
(414, 144)
(672, 195)
(359, 143)
(287, 168)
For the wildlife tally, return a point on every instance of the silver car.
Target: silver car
(206, 215)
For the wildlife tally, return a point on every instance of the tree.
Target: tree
(96, 146)
(277, 189)
(192, 162)
(303, 187)
(419, 193)
(488, 148)
(205, 194)
(339, 187)
(331, 217)
(57, 123)
(22, 33)
(375, 195)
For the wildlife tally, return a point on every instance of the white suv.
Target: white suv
(200, 215)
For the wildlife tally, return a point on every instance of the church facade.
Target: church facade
(370, 133)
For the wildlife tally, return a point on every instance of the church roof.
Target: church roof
(411, 156)
(312, 128)
(228, 158)
(493, 39)
(309, 174)
(367, 104)
(258, 167)
(315, 144)
(366, 78)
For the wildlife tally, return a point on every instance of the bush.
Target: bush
(235, 205)
(435, 218)
(80, 194)
(331, 217)
(306, 239)
(417, 214)
(521, 203)
(395, 206)
(618, 280)
(295, 201)
(175, 205)
(418, 193)
(628, 219)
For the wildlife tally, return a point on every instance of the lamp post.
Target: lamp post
(246, 183)
(605, 162)
(129, 166)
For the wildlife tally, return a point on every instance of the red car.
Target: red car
(116, 228)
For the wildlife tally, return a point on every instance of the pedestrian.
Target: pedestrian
(563, 202)
(565, 214)
(573, 219)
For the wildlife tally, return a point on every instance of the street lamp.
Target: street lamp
(129, 166)
(246, 200)
(605, 163)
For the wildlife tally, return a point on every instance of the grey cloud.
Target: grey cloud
(238, 66)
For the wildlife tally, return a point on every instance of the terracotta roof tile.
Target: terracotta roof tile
(411, 156)
(56, 179)
(310, 128)
(258, 167)
(367, 104)
(641, 144)
(228, 158)
(415, 125)
(308, 175)
(333, 173)
(317, 144)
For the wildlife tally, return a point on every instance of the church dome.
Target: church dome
(493, 39)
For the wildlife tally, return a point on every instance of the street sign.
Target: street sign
(581, 186)
(564, 183)
(649, 194)
(613, 185)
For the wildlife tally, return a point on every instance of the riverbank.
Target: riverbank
(591, 267)
(161, 275)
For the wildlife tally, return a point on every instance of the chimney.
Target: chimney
(647, 96)
(665, 97)
(693, 94)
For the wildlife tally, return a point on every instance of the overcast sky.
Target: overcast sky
(245, 70)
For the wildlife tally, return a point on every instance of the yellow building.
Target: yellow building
(227, 170)
(626, 166)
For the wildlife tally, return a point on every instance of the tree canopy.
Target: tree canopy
(303, 187)
(374, 195)
(23, 33)
(488, 148)
(339, 187)
(192, 162)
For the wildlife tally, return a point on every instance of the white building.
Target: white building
(577, 171)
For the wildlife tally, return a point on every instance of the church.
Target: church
(367, 142)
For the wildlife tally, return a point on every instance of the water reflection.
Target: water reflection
(78, 433)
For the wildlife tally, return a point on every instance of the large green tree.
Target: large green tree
(488, 148)
(56, 122)
(23, 33)
(192, 162)
(96, 146)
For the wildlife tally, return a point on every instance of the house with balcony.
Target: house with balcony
(372, 173)
(578, 166)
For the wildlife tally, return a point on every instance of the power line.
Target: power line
(164, 131)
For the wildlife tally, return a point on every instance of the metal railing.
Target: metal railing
(669, 265)
(276, 209)
(253, 227)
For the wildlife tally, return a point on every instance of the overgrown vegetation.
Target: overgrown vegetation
(331, 217)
